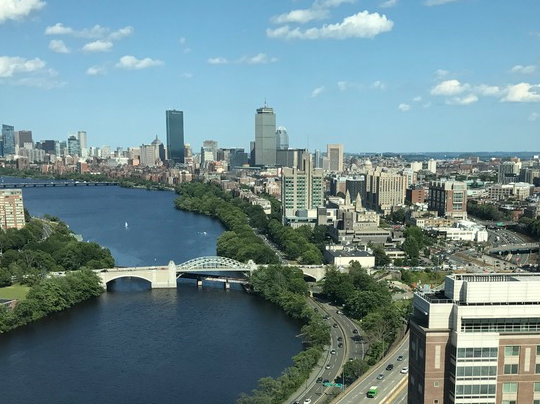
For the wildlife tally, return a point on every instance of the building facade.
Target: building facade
(448, 199)
(282, 138)
(11, 209)
(175, 136)
(265, 137)
(334, 152)
(477, 341)
(384, 190)
(8, 140)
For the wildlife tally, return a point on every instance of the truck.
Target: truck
(373, 391)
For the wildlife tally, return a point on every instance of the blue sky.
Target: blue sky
(375, 75)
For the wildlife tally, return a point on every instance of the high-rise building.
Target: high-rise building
(160, 149)
(448, 198)
(334, 152)
(265, 137)
(74, 148)
(11, 209)
(416, 166)
(476, 341)
(22, 137)
(210, 146)
(356, 187)
(301, 189)
(282, 138)
(318, 159)
(149, 154)
(432, 166)
(188, 153)
(290, 157)
(175, 136)
(384, 190)
(509, 172)
(83, 144)
(237, 158)
(8, 140)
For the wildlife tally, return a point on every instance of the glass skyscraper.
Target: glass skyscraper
(8, 140)
(175, 136)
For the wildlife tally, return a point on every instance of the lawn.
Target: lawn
(18, 292)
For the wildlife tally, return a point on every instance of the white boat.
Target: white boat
(127, 225)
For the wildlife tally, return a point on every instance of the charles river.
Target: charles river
(135, 345)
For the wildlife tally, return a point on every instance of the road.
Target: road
(358, 392)
(317, 392)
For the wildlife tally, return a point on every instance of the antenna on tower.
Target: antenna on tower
(265, 102)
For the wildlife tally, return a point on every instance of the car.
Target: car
(339, 338)
(351, 359)
(333, 351)
(400, 358)
(404, 370)
(319, 379)
(335, 325)
(326, 316)
(327, 366)
(355, 331)
(326, 381)
(390, 366)
(380, 377)
(340, 345)
(307, 401)
(339, 312)
(296, 402)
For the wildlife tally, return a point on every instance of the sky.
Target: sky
(375, 75)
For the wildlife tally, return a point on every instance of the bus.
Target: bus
(372, 392)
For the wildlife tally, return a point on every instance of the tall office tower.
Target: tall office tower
(432, 166)
(211, 146)
(509, 172)
(22, 137)
(8, 140)
(265, 137)
(105, 152)
(187, 151)
(290, 157)
(448, 198)
(416, 166)
(282, 138)
(149, 154)
(384, 190)
(356, 186)
(317, 159)
(237, 158)
(476, 341)
(83, 144)
(74, 148)
(11, 209)
(175, 136)
(301, 189)
(158, 144)
(252, 153)
(334, 152)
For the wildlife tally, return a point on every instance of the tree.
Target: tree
(5, 278)
(381, 259)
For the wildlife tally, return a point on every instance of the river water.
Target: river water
(134, 345)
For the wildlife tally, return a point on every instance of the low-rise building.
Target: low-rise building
(345, 256)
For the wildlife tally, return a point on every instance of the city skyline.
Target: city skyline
(327, 68)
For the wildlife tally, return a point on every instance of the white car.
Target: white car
(307, 401)
(404, 370)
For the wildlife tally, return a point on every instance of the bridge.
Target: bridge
(166, 276)
(514, 248)
(56, 184)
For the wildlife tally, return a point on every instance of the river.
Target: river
(135, 345)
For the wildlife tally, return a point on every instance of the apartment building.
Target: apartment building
(11, 209)
(477, 341)
(448, 199)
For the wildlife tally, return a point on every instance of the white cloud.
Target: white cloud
(18, 9)
(379, 85)
(389, 3)
(360, 25)
(58, 46)
(331, 3)
(466, 100)
(522, 92)
(523, 69)
(260, 58)
(301, 16)
(438, 2)
(121, 33)
(217, 61)
(484, 89)
(534, 116)
(96, 32)
(449, 87)
(98, 46)
(96, 71)
(318, 91)
(347, 85)
(441, 73)
(417, 98)
(404, 107)
(132, 63)
(12, 65)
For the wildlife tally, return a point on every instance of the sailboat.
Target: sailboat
(127, 225)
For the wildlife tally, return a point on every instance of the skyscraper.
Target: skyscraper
(83, 145)
(282, 139)
(334, 152)
(265, 137)
(8, 140)
(22, 137)
(175, 136)
(74, 148)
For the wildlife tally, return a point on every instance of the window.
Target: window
(538, 368)
(509, 402)
(509, 387)
(537, 387)
(511, 350)
(511, 369)
(435, 384)
(435, 401)
(538, 349)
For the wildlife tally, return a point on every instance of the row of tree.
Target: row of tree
(46, 246)
(485, 211)
(50, 295)
(285, 286)
(366, 300)
(531, 226)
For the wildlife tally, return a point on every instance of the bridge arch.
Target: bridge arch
(215, 263)
(107, 280)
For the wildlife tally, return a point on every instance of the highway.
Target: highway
(357, 393)
(333, 363)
